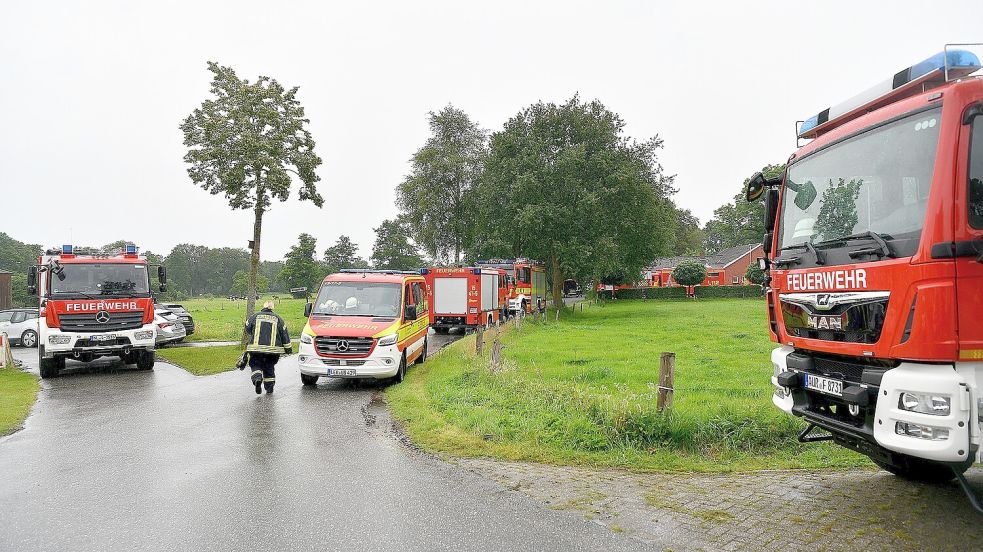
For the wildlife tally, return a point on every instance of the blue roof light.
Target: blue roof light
(131, 249)
(67, 249)
(957, 59)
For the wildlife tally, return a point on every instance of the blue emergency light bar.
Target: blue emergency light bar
(940, 68)
(131, 249)
(67, 249)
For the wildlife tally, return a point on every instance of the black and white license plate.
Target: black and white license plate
(341, 371)
(102, 338)
(824, 385)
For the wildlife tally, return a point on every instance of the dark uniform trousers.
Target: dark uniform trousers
(263, 365)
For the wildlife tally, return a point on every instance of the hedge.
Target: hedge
(679, 292)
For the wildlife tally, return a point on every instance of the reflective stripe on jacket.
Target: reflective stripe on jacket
(266, 333)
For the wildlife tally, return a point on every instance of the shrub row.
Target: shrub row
(680, 292)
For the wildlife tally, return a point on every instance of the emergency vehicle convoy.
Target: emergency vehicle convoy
(528, 290)
(92, 306)
(874, 242)
(365, 324)
(466, 297)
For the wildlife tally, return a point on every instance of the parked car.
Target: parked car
(169, 327)
(21, 326)
(183, 314)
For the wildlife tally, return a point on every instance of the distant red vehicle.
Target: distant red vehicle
(466, 297)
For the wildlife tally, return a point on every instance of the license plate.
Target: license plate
(341, 371)
(101, 338)
(824, 385)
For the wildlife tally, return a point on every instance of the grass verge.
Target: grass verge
(203, 361)
(20, 389)
(582, 391)
(219, 319)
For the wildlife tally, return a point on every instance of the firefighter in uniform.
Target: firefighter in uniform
(267, 338)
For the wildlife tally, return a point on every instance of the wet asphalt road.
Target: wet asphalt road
(112, 458)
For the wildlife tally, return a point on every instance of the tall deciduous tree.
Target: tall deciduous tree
(563, 184)
(393, 249)
(245, 142)
(436, 197)
(688, 234)
(738, 222)
(300, 269)
(343, 254)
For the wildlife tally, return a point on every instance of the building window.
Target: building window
(714, 274)
(736, 280)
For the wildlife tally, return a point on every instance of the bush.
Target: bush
(689, 273)
(754, 274)
(679, 292)
(729, 291)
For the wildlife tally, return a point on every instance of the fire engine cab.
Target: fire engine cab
(528, 290)
(466, 297)
(94, 305)
(874, 242)
(365, 324)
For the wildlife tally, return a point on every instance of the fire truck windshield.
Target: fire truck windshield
(130, 280)
(876, 182)
(358, 299)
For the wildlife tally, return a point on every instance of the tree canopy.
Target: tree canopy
(563, 184)
(738, 222)
(245, 142)
(393, 249)
(300, 268)
(436, 198)
(689, 273)
(343, 254)
(754, 274)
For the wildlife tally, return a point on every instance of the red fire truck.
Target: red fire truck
(874, 242)
(527, 292)
(466, 297)
(92, 306)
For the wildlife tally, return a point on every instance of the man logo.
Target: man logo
(822, 300)
(102, 317)
(343, 346)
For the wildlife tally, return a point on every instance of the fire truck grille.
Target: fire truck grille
(87, 322)
(343, 346)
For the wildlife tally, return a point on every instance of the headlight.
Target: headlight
(143, 334)
(387, 340)
(59, 339)
(936, 405)
(304, 338)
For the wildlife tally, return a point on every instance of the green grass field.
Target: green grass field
(203, 361)
(17, 393)
(582, 391)
(220, 319)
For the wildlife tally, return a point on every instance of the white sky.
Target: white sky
(92, 95)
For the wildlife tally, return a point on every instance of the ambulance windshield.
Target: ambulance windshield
(358, 299)
(104, 279)
(877, 182)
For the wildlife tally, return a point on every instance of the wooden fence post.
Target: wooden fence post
(667, 380)
(479, 339)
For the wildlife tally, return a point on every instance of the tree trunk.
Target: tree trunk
(254, 257)
(557, 283)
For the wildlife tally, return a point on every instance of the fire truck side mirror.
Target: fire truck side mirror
(32, 280)
(771, 209)
(307, 310)
(755, 187)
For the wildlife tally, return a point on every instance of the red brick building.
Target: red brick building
(725, 268)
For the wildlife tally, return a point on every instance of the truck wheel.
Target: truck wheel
(400, 372)
(916, 469)
(440, 330)
(51, 366)
(423, 356)
(146, 360)
(29, 339)
(308, 380)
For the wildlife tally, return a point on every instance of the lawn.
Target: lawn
(203, 361)
(220, 319)
(19, 389)
(582, 391)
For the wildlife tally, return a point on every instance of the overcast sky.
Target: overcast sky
(92, 95)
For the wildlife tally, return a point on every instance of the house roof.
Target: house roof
(2, 271)
(720, 259)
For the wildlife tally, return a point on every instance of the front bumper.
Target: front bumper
(868, 417)
(382, 363)
(59, 343)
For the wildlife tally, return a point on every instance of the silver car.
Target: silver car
(169, 327)
(21, 326)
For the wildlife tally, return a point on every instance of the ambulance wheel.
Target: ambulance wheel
(146, 360)
(916, 469)
(423, 356)
(442, 330)
(51, 366)
(29, 339)
(400, 372)
(308, 380)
